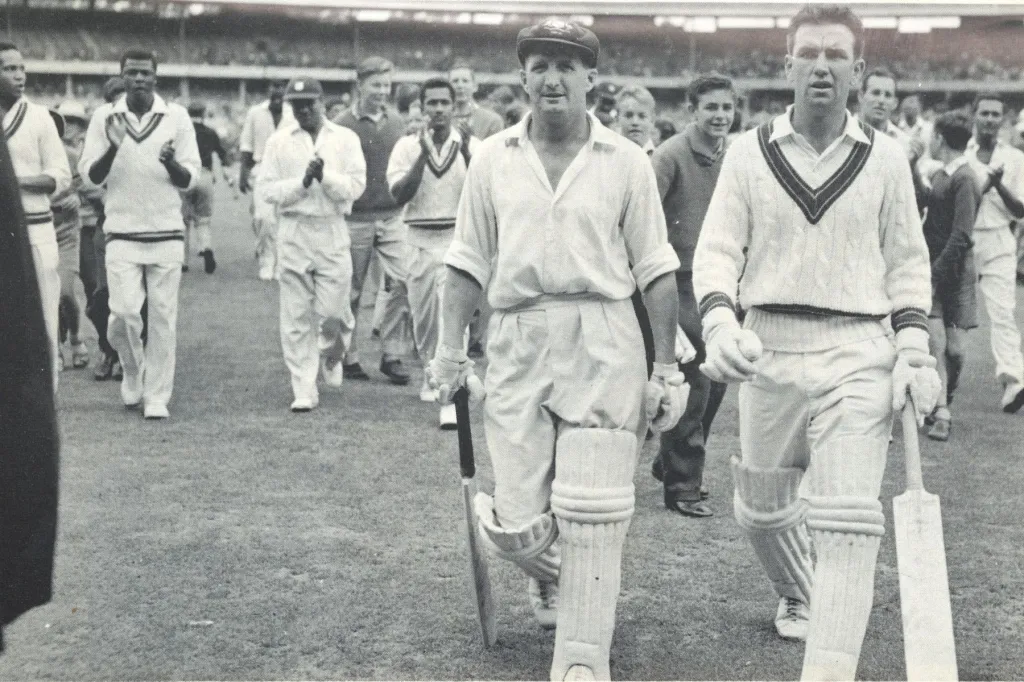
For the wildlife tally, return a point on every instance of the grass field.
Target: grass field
(239, 541)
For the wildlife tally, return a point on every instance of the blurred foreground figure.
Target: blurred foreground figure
(29, 444)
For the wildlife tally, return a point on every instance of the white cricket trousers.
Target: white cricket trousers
(131, 285)
(316, 276)
(264, 226)
(45, 258)
(562, 364)
(426, 277)
(995, 254)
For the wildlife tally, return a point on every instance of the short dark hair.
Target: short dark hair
(6, 45)
(954, 127)
(877, 72)
(666, 128)
(988, 96)
(436, 82)
(705, 84)
(821, 15)
(139, 55)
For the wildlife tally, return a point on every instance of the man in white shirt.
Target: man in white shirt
(312, 172)
(877, 102)
(813, 230)
(560, 221)
(260, 123)
(1000, 169)
(144, 150)
(41, 165)
(426, 173)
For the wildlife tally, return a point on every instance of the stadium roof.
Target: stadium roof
(653, 7)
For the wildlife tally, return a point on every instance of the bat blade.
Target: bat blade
(924, 587)
(478, 567)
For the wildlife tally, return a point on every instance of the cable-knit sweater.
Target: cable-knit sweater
(819, 273)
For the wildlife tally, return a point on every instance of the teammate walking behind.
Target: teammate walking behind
(952, 207)
(994, 245)
(41, 165)
(687, 168)
(376, 222)
(426, 174)
(260, 123)
(198, 201)
(145, 150)
(814, 223)
(554, 211)
(312, 171)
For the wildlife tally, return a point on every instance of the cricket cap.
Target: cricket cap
(558, 32)
(304, 88)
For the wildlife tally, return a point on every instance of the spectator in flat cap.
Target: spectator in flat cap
(605, 106)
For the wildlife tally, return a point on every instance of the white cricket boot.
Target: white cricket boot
(792, 618)
(544, 600)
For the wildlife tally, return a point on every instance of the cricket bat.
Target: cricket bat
(477, 554)
(924, 583)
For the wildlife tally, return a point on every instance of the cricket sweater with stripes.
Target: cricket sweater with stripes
(36, 149)
(143, 221)
(821, 249)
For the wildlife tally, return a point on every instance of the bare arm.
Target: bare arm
(460, 298)
(42, 183)
(99, 171)
(405, 188)
(662, 301)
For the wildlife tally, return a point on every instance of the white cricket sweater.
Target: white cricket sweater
(820, 274)
(36, 149)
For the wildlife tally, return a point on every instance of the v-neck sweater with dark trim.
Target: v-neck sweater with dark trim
(807, 285)
(378, 139)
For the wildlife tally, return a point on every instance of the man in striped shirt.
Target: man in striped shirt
(813, 229)
(145, 150)
(41, 165)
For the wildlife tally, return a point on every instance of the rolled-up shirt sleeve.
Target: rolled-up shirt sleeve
(55, 159)
(476, 229)
(95, 145)
(402, 159)
(347, 182)
(719, 257)
(643, 227)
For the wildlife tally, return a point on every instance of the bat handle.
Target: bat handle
(467, 464)
(911, 447)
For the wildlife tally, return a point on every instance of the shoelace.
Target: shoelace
(791, 607)
(546, 597)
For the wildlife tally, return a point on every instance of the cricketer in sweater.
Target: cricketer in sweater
(813, 229)
(144, 149)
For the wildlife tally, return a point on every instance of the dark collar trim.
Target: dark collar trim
(17, 120)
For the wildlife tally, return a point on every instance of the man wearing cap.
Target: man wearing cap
(312, 171)
(560, 221)
(604, 108)
(260, 123)
(197, 206)
(42, 169)
(144, 150)
(376, 222)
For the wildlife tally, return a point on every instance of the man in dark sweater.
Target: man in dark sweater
(376, 220)
(952, 208)
(197, 206)
(687, 167)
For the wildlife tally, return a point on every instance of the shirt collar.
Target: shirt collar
(293, 127)
(159, 105)
(600, 136)
(783, 127)
(648, 147)
(697, 144)
(955, 164)
(361, 116)
(973, 146)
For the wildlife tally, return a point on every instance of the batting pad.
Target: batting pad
(531, 547)
(768, 507)
(845, 519)
(592, 498)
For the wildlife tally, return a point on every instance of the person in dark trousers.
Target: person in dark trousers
(29, 446)
(687, 167)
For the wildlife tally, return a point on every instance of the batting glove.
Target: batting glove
(450, 370)
(731, 352)
(685, 352)
(665, 396)
(915, 374)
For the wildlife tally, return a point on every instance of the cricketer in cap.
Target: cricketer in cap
(565, 190)
(821, 273)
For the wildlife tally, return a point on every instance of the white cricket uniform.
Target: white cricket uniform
(430, 217)
(995, 254)
(145, 239)
(822, 249)
(567, 372)
(36, 149)
(257, 129)
(313, 243)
